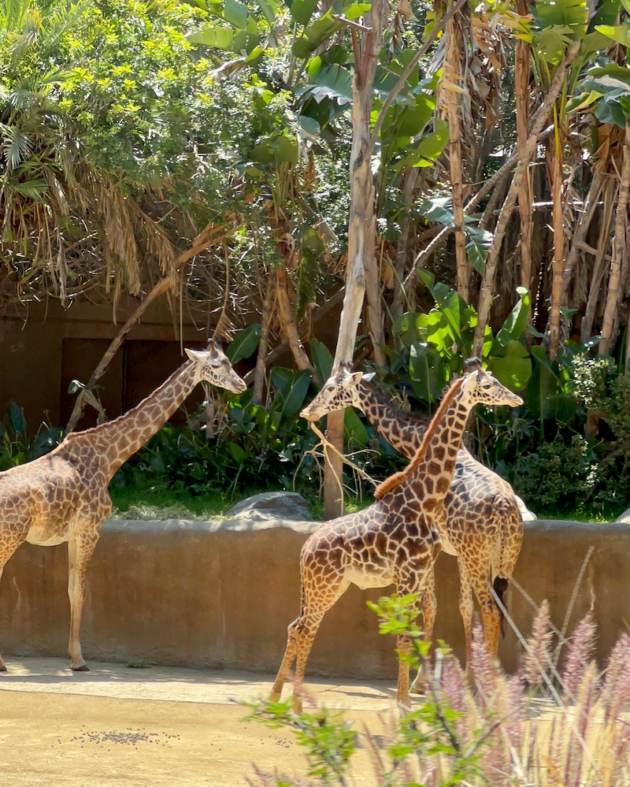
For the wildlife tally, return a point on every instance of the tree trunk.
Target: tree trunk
(265, 321)
(525, 197)
(580, 231)
(558, 245)
(450, 83)
(610, 189)
(289, 329)
(486, 294)
(612, 297)
(361, 233)
(411, 178)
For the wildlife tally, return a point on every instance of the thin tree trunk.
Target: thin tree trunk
(450, 83)
(521, 85)
(287, 324)
(486, 294)
(612, 297)
(580, 231)
(492, 183)
(411, 178)
(598, 266)
(361, 233)
(265, 321)
(211, 235)
(558, 245)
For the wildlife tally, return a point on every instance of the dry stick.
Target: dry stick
(579, 236)
(327, 444)
(263, 344)
(521, 85)
(199, 244)
(557, 267)
(486, 293)
(618, 249)
(469, 207)
(407, 73)
(567, 617)
(598, 266)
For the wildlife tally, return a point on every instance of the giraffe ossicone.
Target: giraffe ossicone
(62, 496)
(395, 540)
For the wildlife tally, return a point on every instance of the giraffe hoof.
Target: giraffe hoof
(3, 668)
(80, 668)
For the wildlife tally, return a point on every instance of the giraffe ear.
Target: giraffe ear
(355, 378)
(194, 355)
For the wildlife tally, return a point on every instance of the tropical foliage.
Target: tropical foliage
(210, 141)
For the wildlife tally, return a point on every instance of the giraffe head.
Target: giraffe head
(480, 387)
(339, 392)
(213, 366)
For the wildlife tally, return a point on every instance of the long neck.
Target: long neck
(431, 479)
(117, 440)
(400, 429)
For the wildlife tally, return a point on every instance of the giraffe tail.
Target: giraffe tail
(500, 586)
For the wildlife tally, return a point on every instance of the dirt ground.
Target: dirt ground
(155, 726)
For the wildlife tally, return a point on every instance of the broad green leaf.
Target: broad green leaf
(478, 242)
(571, 14)
(334, 82)
(238, 454)
(276, 150)
(618, 33)
(515, 324)
(235, 13)
(428, 372)
(355, 11)
(543, 385)
(244, 344)
(292, 387)
(322, 360)
(513, 367)
(552, 42)
(269, 9)
(439, 210)
(432, 146)
(315, 35)
(355, 434)
(214, 36)
(18, 422)
(302, 10)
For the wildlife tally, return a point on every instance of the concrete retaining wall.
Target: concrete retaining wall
(221, 595)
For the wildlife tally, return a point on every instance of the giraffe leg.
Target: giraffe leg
(6, 550)
(490, 614)
(318, 595)
(414, 583)
(79, 554)
(466, 607)
(429, 611)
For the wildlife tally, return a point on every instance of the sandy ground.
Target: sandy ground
(156, 726)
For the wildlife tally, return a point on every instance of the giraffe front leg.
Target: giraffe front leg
(3, 666)
(429, 611)
(413, 583)
(79, 554)
(466, 609)
(15, 539)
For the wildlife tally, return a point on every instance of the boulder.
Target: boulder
(625, 517)
(526, 514)
(273, 505)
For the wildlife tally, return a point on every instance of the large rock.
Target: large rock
(273, 505)
(526, 514)
(625, 517)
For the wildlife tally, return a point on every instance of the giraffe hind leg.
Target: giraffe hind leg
(6, 551)
(429, 611)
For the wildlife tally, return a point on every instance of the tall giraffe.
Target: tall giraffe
(63, 497)
(395, 540)
(481, 516)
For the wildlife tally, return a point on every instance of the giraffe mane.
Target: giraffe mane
(398, 478)
(152, 395)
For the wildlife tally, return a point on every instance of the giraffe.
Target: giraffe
(62, 496)
(481, 516)
(395, 540)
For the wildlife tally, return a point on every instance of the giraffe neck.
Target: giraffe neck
(400, 429)
(432, 477)
(119, 439)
